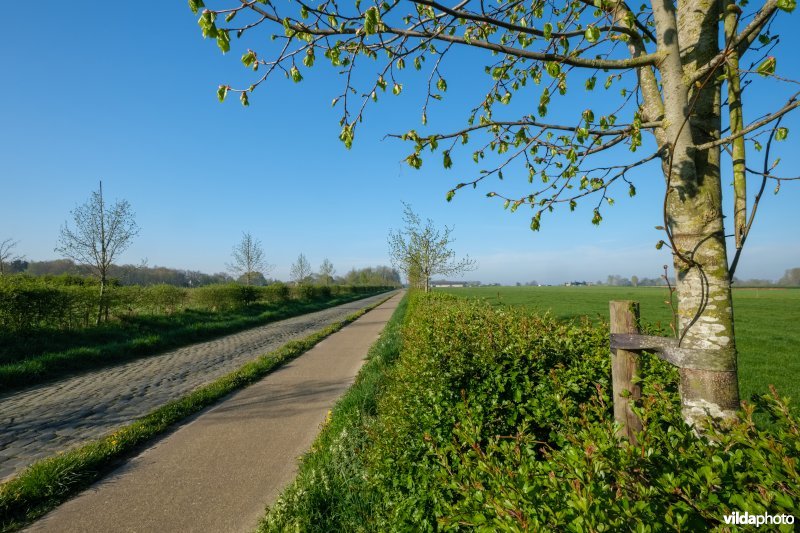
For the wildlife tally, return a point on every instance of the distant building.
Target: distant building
(443, 284)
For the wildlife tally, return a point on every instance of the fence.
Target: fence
(626, 344)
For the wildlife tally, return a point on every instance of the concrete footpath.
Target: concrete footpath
(219, 471)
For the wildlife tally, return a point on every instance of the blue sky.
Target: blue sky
(129, 97)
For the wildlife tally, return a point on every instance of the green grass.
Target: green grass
(767, 330)
(49, 482)
(26, 361)
(330, 492)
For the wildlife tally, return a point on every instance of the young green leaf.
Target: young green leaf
(224, 40)
(195, 5)
(294, 72)
(767, 67)
(371, 20)
(308, 60)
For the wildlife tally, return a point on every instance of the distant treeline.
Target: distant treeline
(127, 275)
(791, 278)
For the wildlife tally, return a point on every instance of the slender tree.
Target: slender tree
(7, 254)
(300, 271)
(422, 251)
(98, 234)
(248, 260)
(326, 272)
(680, 69)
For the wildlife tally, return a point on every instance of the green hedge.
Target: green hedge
(29, 303)
(499, 420)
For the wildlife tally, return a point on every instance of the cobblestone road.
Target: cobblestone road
(43, 420)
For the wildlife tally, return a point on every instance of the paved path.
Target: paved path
(218, 472)
(43, 420)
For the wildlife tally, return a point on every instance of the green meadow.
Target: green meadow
(767, 323)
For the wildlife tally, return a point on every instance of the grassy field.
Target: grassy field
(767, 324)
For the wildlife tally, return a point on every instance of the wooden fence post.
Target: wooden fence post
(625, 367)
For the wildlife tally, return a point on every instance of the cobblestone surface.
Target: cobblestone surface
(43, 420)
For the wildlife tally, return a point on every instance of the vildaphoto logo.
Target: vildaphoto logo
(746, 519)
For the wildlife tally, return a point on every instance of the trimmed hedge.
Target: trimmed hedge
(29, 303)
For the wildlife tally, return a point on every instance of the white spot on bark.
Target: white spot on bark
(698, 409)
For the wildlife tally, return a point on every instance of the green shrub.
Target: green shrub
(303, 291)
(159, 299)
(28, 303)
(222, 297)
(322, 292)
(499, 420)
(277, 292)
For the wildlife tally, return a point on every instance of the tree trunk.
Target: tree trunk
(102, 299)
(694, 210)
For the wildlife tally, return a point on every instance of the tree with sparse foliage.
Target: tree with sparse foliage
(99, 233)
(681, 69)
(248, 260)
(326, 272)
(300, 271)
(7, 254)
(423, 250)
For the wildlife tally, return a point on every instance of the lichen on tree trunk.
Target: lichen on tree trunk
(694, 208)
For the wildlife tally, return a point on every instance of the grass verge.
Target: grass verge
(151, 338)
(330, 492)
(49, 482)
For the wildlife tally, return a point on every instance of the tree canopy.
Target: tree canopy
(98, 233)
(675, 78)
(421, 251)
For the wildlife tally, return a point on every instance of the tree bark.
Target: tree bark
(694, 208)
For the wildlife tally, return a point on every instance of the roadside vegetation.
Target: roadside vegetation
(47, 326)
(767, 335)
(470, 416)
(51, 481)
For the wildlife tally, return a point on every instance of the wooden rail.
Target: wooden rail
(626, 344)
